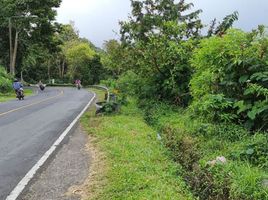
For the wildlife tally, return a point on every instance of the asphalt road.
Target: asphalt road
(28, 128)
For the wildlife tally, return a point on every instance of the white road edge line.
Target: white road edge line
(26, 179)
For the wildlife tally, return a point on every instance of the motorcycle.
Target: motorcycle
(42, 87)
(78, 86)
(20, 94)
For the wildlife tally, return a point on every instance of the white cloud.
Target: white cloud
(95, 19)
(78, 7)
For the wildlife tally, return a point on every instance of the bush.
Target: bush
(5, 81)
(193, 142)
(230, 132)
(227, 181)
(128, 83)
(109, 108)
(184, 148)
(255, 151)
(233, 73)
(210, 182)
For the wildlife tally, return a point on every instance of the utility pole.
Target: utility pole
(12, 71)
(15, 50)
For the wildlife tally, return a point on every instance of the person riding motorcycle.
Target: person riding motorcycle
(41, 85)
(78, 84)
(18, 87)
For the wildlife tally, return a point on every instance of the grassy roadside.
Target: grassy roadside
(100, 93)
(11, 95)
(138, 167)
(195, 145)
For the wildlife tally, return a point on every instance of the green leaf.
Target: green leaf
(243, 79)
(250, 151)
(242, 106)
(252, 114)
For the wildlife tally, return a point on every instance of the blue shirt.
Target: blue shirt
(17, 85)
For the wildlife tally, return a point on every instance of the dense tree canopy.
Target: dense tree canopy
(38, 48)
(31, 23)
(161, 35)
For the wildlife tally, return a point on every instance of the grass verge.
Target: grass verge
(138, 166)
(9, 96)
(100, 93)
(196, 144)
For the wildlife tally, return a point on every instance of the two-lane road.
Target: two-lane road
(28, 129)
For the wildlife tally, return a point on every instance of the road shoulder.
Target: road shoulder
(69, 167)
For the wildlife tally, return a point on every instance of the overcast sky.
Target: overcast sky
(98, 20)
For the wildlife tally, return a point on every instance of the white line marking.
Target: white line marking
(24, 182)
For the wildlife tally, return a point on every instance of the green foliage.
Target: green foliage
(5, 81)
(128, 83)
(110, 107)
(214, 107)
(78, 54)
(232, 71)
(210, 182)
(161, 37)
(254, 151)
(83, 62)
(152, 17)
(226, 24)
(247, 182)
(33, 20)
(193, 142)
(184, 148)
(116, 58)
(36, 64)
(167, 63)
(229, 132)
(228, 181)
(44, 46)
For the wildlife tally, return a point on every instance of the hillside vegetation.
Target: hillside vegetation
(206, 95)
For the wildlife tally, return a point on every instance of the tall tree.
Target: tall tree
(162, 35)
(116, 58)
(30, 22)
(152, 17)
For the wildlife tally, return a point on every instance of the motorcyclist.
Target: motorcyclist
(78, 84)
(41, 85)
(17, 86)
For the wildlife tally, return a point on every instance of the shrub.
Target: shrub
(128, 83)
(184, 148)
(109, 108)
(210, 182)
(227, 181)
(5, 81)
(255, 151)
(232, 71)
(193, 142)
(230, 132)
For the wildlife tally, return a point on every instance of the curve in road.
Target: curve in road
(29, 128)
